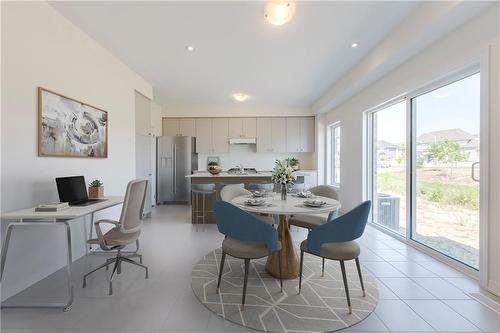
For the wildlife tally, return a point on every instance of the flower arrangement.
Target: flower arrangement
(283, 174)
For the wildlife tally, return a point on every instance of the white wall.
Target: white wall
(41, 48)
(247, 155)
(457, 50)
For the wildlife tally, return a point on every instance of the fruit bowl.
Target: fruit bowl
(214, 169)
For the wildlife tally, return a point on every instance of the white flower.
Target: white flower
(283, 173)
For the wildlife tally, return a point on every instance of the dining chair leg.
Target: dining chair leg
(220, 270)
(247, 266)
(300, 272)
(281, 275)
(360, 276)
(323, 267)
(342, 267)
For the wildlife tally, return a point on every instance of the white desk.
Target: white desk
(29, 217)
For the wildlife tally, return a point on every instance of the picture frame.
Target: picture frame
(70, 128)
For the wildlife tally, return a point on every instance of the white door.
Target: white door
(143, 169)
(204, 135)
(220, 135)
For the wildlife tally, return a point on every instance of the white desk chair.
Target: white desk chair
(124, 232)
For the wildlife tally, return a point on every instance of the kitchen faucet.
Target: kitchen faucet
(242, 169)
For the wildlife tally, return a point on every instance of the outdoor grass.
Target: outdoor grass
(464, 196)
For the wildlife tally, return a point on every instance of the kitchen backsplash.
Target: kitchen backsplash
(246, 154)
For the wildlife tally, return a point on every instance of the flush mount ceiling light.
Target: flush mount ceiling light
(279, 12)
(354, 45)
(240, 97)
(190, 48)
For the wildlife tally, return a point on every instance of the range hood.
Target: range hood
(240, 141)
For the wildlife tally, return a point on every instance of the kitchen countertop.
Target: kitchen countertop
(225, 174)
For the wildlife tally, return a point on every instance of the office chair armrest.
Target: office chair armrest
(116, 223)
(100, 236)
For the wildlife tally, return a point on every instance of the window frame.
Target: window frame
(334, 150)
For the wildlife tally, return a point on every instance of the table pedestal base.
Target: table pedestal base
(289, 260)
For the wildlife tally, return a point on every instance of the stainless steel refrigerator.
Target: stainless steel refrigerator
(176, 158)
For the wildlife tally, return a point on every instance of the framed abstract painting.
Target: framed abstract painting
(70, 128)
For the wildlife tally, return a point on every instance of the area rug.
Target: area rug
(320, 307)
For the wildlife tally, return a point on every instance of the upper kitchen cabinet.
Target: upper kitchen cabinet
(179, 127)
(170, 126)
(300, 135)
(271, 135)
(242, 128)
(212, 135)
(220, 135)
(187, 127)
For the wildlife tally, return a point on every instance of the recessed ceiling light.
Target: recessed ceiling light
(240, 97)
(190, 48)
(279, 12)
(354, 45)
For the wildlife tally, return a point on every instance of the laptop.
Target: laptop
(73, 190)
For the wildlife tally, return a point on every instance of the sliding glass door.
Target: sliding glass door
(446, 161)
(388, 167)
(423, 171)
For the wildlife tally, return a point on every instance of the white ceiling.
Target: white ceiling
(236, 49)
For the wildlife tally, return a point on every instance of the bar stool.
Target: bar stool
(201, 191)
(268, 187)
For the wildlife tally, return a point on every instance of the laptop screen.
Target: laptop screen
(72, 189)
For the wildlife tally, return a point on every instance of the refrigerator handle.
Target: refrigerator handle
(175, 168)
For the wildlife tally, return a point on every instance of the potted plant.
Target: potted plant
(214, 168)
(294, 163)
(283, 174)
(96, 189)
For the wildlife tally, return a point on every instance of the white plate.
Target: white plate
(314, 203)
(254, 202)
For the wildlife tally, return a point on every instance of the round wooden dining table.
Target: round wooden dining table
(293, 205)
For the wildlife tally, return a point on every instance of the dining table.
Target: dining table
(284, 208)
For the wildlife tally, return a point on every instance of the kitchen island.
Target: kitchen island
(200, 206)
(305, 179)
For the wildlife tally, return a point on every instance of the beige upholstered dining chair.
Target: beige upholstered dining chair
(229, 192)
(311, 221)
(125, 232)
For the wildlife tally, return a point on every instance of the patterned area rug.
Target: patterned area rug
(320, 307)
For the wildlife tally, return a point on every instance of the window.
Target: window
(423, 166)
(334, 154)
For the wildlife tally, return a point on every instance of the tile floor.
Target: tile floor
(417, 293)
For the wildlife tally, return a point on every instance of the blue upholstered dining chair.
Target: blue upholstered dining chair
(247, 237)
(335, 240)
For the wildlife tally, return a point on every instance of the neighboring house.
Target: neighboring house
(387, 151)
(469, 143)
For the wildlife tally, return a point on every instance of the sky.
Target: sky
(456, 105)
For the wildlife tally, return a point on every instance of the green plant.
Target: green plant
(447, 152)
(213, 163)
(292, 161)
(96, 183)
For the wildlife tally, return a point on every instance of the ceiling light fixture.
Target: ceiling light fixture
(190, 48)
(279, 12)
(240, 97)
(354, 45)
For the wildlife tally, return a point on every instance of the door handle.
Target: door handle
(473, 172)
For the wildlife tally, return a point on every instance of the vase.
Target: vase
(283, 191)
(96, 192)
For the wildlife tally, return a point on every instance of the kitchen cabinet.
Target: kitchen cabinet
(300, 135)
(220, 135)
(242, 128)
(212, 135)
(187, 127)
(271, 135)
(179, 127)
